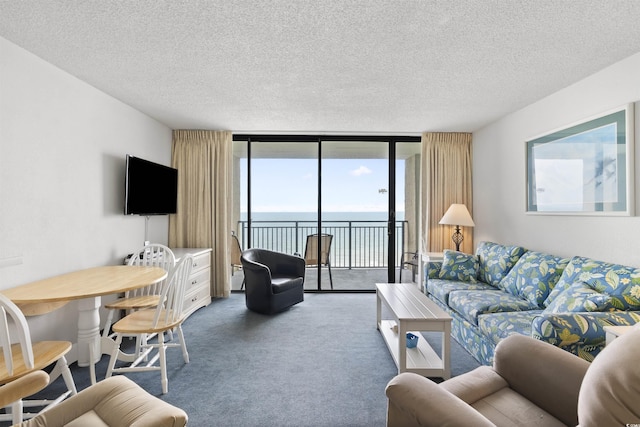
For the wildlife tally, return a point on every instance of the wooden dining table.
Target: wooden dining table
(87, 286)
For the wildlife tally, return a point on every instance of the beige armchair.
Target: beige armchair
(531, 383)
(116, 401)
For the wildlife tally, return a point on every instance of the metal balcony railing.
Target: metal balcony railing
(356, 244)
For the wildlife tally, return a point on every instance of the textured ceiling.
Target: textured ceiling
(326, 66)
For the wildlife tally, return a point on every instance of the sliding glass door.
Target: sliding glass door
(408, 240)
(355, 212)
(334, 201)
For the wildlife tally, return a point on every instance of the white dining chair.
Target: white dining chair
(166, 317)
(152, 255)
(20, 356)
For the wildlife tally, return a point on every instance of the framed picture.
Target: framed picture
(585, 169)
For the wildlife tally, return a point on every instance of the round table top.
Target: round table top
(91, 282)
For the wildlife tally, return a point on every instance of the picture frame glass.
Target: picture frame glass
(582, 169)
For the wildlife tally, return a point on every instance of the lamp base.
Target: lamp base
(457, 238)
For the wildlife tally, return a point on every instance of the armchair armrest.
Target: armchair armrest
(580, 333)
(545, 374)
(279, 264)
(288, 265)
(418, 401)
(259, 273)
(114, 401)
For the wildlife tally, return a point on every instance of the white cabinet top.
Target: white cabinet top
(180, 252)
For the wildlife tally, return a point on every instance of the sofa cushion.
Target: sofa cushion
(579, 297)
(284, 284)
(622, 283)
(533, 276)
(570, 275)
(499, 326)
(495, 261)
(471, 304)
(580, 333)
(459, 266)
(440, 289)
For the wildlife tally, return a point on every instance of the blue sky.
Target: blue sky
(349, 185)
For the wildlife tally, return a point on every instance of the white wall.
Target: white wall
(62, 158)
(499, 173)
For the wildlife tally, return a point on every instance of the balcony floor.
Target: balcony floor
(358, 279)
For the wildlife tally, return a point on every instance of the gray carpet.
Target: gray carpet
(321, 363)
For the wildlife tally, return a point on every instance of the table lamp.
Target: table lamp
(457, 215)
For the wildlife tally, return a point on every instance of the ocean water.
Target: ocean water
(326, 216)
(360, 239)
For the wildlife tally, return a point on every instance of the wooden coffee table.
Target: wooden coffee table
(412, 311)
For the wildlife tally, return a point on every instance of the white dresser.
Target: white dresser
(198, 292)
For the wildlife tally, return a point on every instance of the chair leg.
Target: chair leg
(330, 277)
(114, 356)
(183, 345)
(162, 352)
(66, 375)
(141, 342)
(16, 412)
(92, 364)
(107, 324)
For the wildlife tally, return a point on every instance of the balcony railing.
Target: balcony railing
(356, 244)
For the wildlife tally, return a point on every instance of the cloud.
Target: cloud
(362, 170)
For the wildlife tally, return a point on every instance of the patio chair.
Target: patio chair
(311, 257)
(236, 253)
(409, 259)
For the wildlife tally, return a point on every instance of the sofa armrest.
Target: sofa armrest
(580, 333)
(432, 269)
(414, 400)
(544, 374)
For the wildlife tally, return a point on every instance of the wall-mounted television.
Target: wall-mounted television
(150, 188)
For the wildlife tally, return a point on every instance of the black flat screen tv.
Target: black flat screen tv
(150, 188)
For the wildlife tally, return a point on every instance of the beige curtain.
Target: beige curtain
(204, 162)
(446, 179)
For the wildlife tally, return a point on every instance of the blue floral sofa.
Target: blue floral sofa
(504, 290)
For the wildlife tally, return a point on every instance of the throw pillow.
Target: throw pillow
(533, 276)
(621, 282)
(495, 261)
(459, 266)
(580, 296)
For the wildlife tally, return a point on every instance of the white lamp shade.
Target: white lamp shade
(457, 214)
